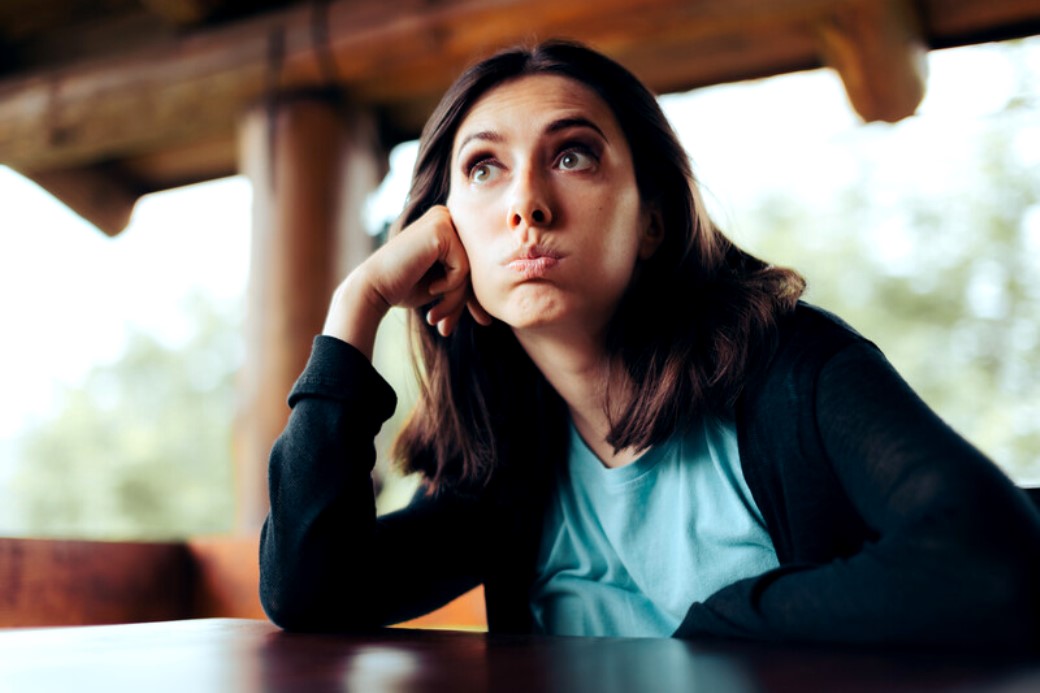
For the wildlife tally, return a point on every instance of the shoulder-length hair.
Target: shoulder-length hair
(687, 332)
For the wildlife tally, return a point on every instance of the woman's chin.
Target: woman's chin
(533, 307)
(527, 309)
(552, 319)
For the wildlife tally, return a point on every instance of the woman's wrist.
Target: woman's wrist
(355, 313)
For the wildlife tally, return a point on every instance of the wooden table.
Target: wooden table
(230, 655)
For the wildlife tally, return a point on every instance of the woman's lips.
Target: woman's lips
(533, 262)
(533, 267)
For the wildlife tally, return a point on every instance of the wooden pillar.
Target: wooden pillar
(312, 162)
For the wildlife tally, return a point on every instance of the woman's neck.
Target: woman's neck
(578, 368)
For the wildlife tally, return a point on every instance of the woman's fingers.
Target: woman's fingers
(453, 262)
(424, 263)
(450, 306)
(453, 288)
(425, 254)
(447, 313)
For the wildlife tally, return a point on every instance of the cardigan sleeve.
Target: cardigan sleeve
(326, 561)
(953, 556)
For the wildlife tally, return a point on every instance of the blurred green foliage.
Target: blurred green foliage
(948, 286)
(142, 449)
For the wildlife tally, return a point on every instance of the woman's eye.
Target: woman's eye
(575, 160)
(482, 172)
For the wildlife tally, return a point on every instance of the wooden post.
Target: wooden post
(312, 162)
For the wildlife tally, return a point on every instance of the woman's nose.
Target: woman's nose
(530, 205)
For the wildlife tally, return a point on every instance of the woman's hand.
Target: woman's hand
(423, 263)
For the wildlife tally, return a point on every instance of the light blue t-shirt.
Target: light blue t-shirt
(627, 551)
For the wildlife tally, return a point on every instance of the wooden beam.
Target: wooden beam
(960, 22)
(205, 159)
(97, 193)
(61, 32)
(184, 13)
(106, 194)
(879, 50)
(387, 54)
(172, 89)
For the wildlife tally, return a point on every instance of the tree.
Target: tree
(142, 449)
(946, 284)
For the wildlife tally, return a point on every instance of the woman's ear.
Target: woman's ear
(653, 234)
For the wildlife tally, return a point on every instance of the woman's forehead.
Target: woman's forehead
(531, 102)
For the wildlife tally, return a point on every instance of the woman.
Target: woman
(627, 425)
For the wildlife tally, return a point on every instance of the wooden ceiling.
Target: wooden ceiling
(102, 101)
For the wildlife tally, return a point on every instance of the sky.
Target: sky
(69, 294)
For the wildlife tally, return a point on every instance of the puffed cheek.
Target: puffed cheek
(488, 298)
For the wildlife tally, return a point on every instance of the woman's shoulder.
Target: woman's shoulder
(811, 332)
(811, 321)
(774, 412)
(805, 339)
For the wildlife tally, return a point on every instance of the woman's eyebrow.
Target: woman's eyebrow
(484, 135)
(576, 122)
(554, 126)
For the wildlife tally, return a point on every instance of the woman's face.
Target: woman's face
(544, 198)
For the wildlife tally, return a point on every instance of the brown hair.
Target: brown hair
(690, 326)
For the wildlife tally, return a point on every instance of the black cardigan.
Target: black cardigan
(888, 526)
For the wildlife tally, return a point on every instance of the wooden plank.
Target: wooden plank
(225, 577)
(53, 582)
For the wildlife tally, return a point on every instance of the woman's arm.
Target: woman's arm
(957, 559)
(326, 561)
